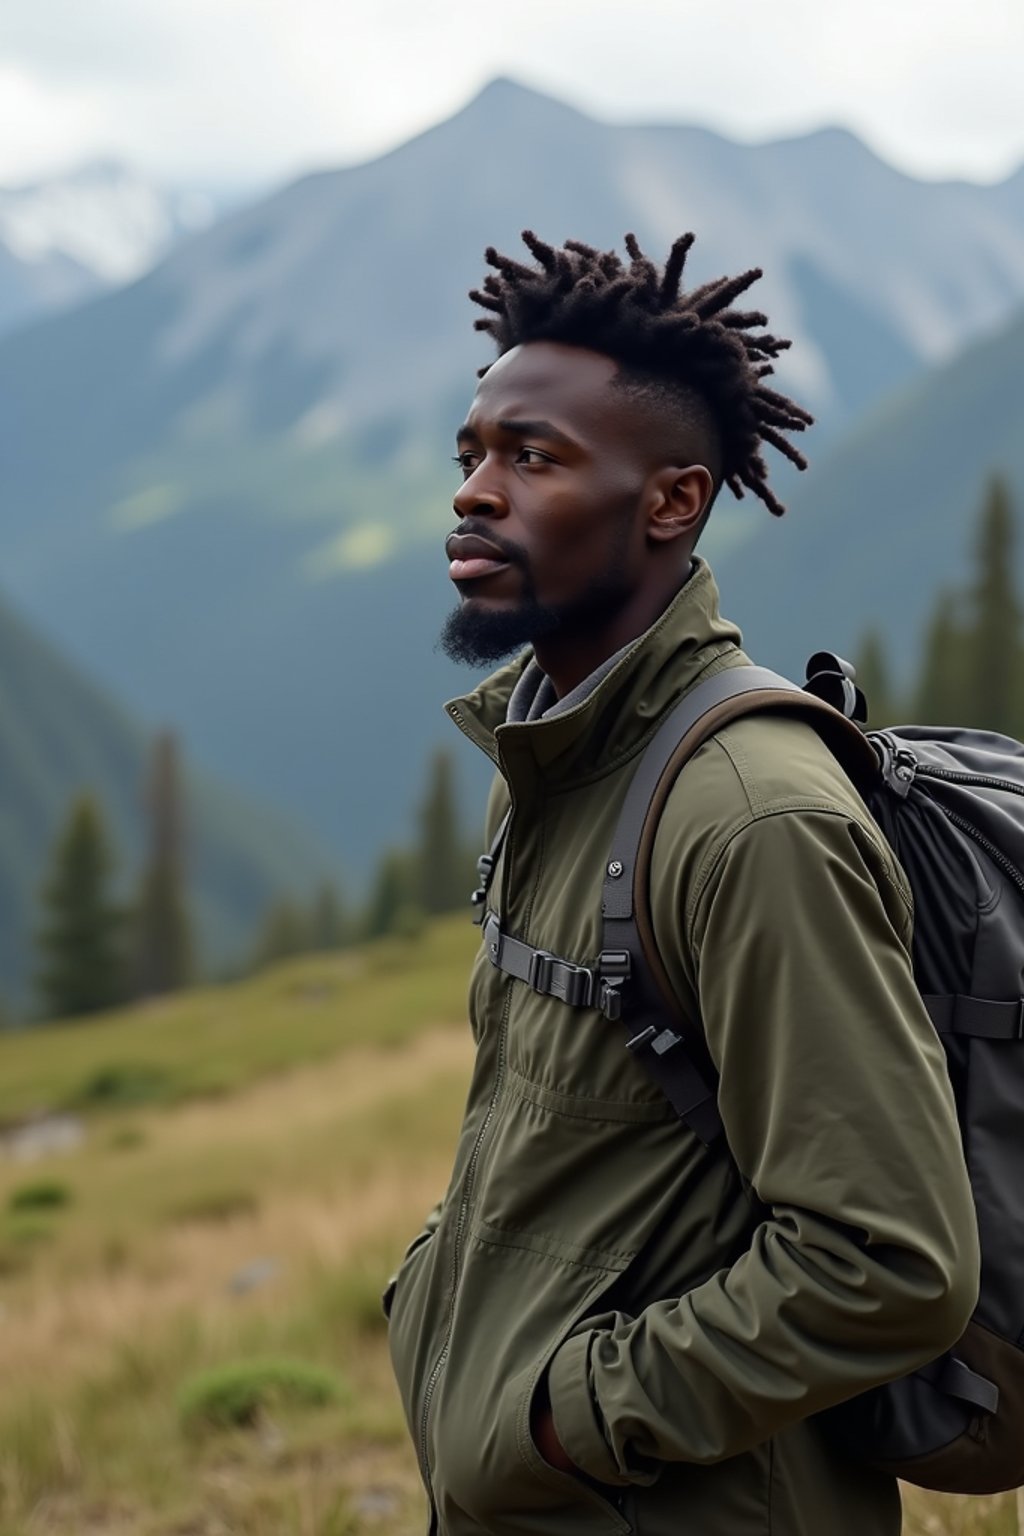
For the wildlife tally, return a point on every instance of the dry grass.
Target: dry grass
(117, 1266)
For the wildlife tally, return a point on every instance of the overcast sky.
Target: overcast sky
(256, 90)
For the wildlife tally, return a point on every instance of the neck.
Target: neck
(568, 659)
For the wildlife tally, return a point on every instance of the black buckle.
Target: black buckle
(614, 966)
(653, 1039)
(573, 984)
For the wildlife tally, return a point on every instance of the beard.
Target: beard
(475, 636)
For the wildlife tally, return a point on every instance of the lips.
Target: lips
(472, 557)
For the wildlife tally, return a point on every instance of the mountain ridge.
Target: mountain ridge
(936, 444)
(225, 481)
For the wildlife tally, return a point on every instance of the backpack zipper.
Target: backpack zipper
(906, 758)
(957, 776)
(997, 855)
(909, 767)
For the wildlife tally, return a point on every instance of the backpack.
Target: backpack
(950, 803)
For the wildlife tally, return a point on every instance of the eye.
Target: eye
(465, 461)
(533, 456)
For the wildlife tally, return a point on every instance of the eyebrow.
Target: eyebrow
(519, 429)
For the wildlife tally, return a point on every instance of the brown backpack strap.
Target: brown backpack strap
(671, 1046)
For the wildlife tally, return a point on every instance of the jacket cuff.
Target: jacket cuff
(574, 1412)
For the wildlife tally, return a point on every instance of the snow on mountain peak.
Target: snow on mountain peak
(103, 216)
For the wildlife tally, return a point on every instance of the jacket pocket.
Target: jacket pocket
(411, 1306)
(611, 1502)
(387, 1299)
(519, 1301)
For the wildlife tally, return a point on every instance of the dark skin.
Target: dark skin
(566, 473)
(573, 481)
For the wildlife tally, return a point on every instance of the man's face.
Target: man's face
(549, 540)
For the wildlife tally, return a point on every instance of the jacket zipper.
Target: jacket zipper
(460, 1230)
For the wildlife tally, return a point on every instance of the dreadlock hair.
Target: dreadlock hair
(690, 353)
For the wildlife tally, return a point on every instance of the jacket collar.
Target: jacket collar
(616, 715)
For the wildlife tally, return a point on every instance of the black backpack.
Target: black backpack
(950, 802)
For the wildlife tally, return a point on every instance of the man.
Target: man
(607, 1325)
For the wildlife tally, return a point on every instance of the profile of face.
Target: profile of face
(555, 526)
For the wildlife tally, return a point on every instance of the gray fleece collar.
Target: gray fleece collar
(534, 698)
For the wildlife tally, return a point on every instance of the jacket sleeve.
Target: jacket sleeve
(838, 1111)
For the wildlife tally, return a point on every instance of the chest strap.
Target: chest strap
(660, 1050)
(581, 986)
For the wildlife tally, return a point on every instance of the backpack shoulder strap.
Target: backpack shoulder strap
(677, 1058)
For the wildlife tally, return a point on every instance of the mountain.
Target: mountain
(60, 734)
(885, 520)
(226, 485)
(68, 237)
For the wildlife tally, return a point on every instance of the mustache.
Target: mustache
(482, 530)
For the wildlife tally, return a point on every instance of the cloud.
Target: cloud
(42, 121)
(258, 89)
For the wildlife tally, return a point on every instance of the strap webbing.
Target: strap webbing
(617, 896)
(733, 692)
(950, 1375)
(663, 1054)
(577, 985)
(677, 1059)
(979, 1017)
(485, 869)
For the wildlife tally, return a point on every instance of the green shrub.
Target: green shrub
(41, 1195)
(127, 1138)
(123, 1086)
(215, 1205)
(24, 1229)
(236, 1395)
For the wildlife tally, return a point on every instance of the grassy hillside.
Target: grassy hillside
(246, 1207)
(58, 735)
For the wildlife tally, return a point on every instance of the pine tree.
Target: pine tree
(392, 907)
(941, 694)
(162, 938)
(81, 935)
(440, 854)
(995, 648)
(329, 922)
(873, 679)
(283, 934)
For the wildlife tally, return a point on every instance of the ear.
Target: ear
(677, 501)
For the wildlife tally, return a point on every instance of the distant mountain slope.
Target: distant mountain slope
(885, 520)
(59, 734)
(225, 486)
(68, 237)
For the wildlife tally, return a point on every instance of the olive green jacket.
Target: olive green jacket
(692, 1309)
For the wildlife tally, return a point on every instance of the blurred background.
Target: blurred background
(237, 832)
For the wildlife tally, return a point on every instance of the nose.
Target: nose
(480, 493)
